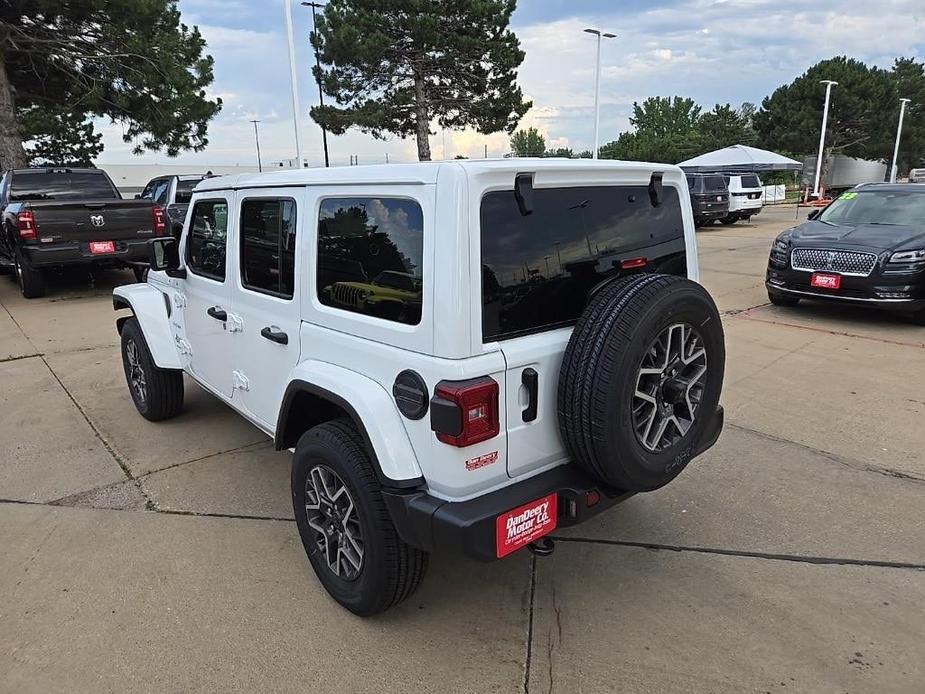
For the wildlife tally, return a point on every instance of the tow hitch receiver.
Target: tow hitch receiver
(542, 547)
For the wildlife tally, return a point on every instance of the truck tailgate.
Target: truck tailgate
(93, 220)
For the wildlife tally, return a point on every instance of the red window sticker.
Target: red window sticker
(525, 524)
(482, 460)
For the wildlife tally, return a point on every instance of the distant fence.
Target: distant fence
(773, 194)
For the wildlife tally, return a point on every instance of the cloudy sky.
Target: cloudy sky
(715, 51)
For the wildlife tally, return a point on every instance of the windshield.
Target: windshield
(61, 185)
(395, 280)
(876, 207)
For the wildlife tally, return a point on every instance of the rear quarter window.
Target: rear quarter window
(538, 270)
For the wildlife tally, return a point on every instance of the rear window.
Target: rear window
(61, 185)
(537, 270)
(714, 183)
(185, 190)
(750, 181)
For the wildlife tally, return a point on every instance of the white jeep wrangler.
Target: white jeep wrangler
(461, 355)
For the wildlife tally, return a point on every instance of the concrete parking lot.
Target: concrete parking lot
(163, 557)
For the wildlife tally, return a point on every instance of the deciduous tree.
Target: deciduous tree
(528, 143)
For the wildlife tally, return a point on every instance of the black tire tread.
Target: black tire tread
(405, 565)
(32, 283)
(597, 345)
(165, 386)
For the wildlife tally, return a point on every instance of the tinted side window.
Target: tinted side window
(370, 257)
(268, 245)
(538, 270)
(160, 191)
(206, 239)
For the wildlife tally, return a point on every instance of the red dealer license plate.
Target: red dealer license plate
(97, 247)
(825, 281)
(525, 524)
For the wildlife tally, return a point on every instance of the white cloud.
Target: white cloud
(715, 51)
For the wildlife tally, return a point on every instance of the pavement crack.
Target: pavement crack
(835, 458)
(120, 461)
(256, 445)
(18, 357)
(529, 656)
(796, 558)
(150, 506)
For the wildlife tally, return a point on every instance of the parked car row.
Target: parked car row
(724, 197)
(57, 217)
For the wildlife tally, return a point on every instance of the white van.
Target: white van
(917, 176)
(744, 196)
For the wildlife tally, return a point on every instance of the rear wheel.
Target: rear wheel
(31, 281)
(779, 299)
(157, 393)
(728, 220)
(640, 380)
(344, 524)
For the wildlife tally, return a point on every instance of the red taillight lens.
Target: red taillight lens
(632, 263)
(25, 223)
(160, 222)
(465, 412)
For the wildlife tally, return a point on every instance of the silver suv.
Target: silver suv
(462, 356)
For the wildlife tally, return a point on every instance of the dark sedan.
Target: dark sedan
(867, 248)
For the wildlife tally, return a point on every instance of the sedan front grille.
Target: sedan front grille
(843, 262)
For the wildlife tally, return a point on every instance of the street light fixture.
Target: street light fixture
(899, 131)
(597, 87)
(825, 118)
(324, 132)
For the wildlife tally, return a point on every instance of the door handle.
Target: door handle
(217, 313)
(530, 379)
(275, 335)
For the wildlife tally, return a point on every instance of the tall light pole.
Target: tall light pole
(257, 140)
(293, 82)
(899, 132)
(597, 87)
(324, 132)
(825, 119)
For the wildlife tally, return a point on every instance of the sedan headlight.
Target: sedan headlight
(916, 256)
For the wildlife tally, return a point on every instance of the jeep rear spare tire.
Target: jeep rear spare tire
(641, 379)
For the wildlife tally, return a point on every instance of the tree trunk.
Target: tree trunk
(12, 154)
(422, 120)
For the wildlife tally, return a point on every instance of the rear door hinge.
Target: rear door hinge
(239, 381)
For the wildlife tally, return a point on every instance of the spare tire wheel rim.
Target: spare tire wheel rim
(332, 514)
(669, 387)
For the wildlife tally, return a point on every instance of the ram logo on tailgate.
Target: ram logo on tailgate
(97, 220)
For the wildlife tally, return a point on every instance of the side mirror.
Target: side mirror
(814, 214)
(164, 255)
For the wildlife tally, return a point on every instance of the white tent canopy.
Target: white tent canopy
(740, 159)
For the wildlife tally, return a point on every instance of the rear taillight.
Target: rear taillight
(465, 412)
(160, 223)
(25, 223)
(631, 263)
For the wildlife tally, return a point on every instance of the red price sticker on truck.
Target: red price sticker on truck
(524, 524)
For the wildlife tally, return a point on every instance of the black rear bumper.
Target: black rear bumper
(468, 527)
(127, 252)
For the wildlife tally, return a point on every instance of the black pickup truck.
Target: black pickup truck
(53, 217)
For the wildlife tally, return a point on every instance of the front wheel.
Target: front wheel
(157, 393)
(344, 524)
